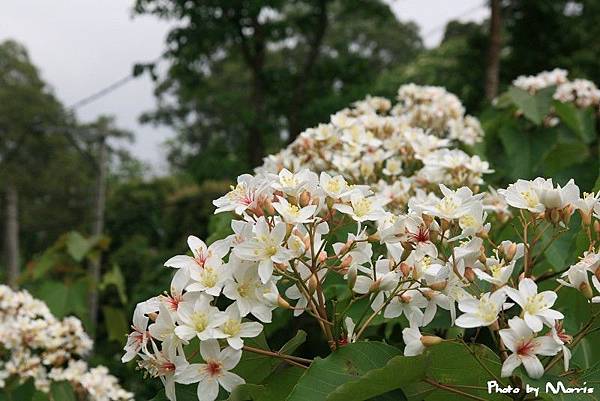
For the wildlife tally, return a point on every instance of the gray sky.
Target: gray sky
(82, 46)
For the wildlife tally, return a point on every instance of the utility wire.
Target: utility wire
(130, 77)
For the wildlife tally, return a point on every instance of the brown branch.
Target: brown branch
(451, 389)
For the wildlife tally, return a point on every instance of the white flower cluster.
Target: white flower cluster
(535, 83)
(437, 111)
(437, 256)
(398, 150)
(46, 349)
(581, 92)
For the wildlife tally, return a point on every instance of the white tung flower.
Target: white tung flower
(293, 214)
(536, 307)
(481, 312)
(198, 319)
(525, 347)
(265, 247)
(233, 329)
(214, 372)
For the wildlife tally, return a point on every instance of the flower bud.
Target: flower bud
(268, 208)
(153, 316)
(313, 283)
(555, 216)
(586, 218)
(566, 213)
(439, 286)
(586, 290)
(430, 341)
(405, 268)
(352, 274)
(304, 199)
(278, 300)
(427, 219)
(280, 266)
(322, 257)
(510, 251)
(469, 274)
(346, 262)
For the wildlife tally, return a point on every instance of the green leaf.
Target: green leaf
(253, 367)
(345, 365)
(78, 246)
(534, 107)
(115, 277)
(452, 364)
(116, 324)
(62, 391)
(292, 345)
(383, 380)
(275, 388)
(580, 121)
(564, 155)
(518, 150)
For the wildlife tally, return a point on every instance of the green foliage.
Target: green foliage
(533, 135)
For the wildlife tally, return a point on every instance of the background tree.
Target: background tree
(26, 106)
(245, 76)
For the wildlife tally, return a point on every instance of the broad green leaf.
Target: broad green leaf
(452, 364)
(534, 107)
(518, 150)
(580, 121)
(253, 367)
(45, 263)
(383, 380)
(564, 155)
(115, 277)
(344, 365)
(275, 388)
(292, 345)
(56, 296)
(62, 391)
(116, 324)
(78, 246)
(15, 391)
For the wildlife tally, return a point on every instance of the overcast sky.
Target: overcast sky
(82, 46)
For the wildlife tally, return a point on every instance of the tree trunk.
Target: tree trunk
(94, 268)
(493, 62)
(12, 235)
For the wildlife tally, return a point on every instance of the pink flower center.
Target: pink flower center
(526, 348)
(214, 368)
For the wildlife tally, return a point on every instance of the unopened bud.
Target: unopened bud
(586, 217)
(346, 262)
(427, 219)
(322, 256)
(278, 300)
(313, 282)
(405, 268)
(566, 214)
(510, 251)
(586, 290)
(304, 199)
(434, 235)
(268, 208)
(280, 266)
(445, 224)
(555, 216)
(153, 316)
(469, 274)
(430, 341)
(439, 286)
(352, 274)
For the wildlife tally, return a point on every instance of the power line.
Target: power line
(130, 77)
(102, 92)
